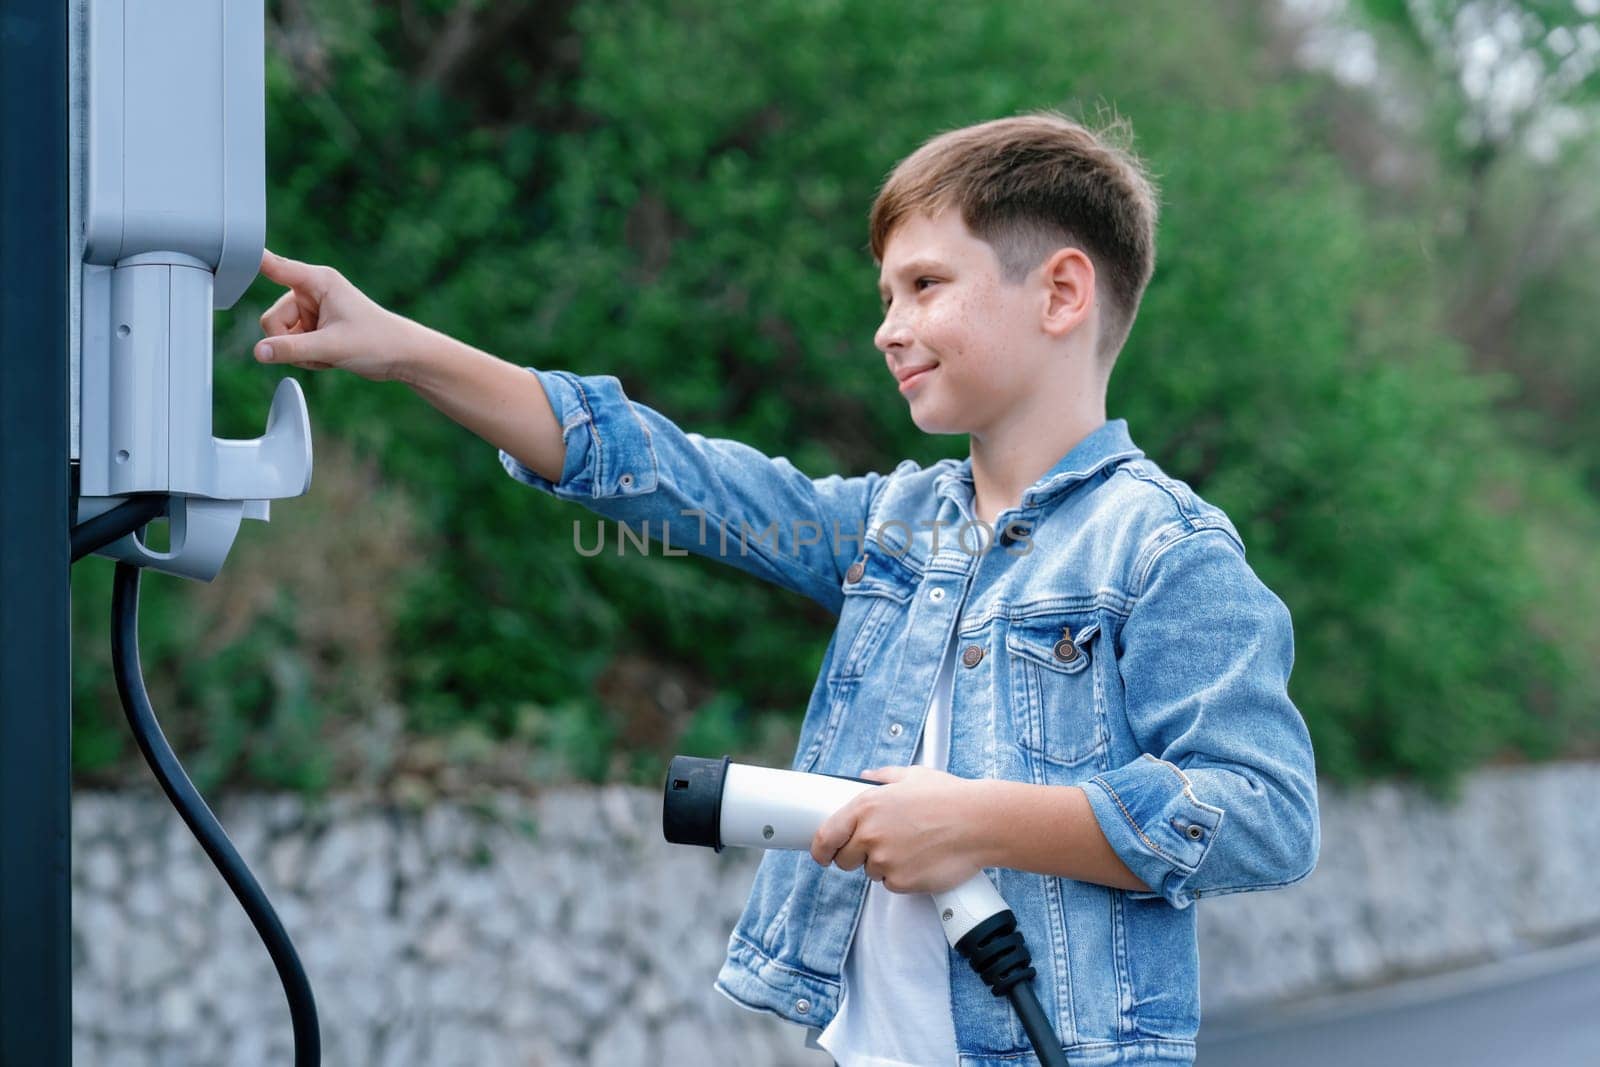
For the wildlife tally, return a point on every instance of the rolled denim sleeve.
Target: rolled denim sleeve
(710, 496)
(1224, 797)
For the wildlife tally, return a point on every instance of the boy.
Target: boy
(1055, 655)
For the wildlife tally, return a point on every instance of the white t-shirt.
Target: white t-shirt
(895, 1011)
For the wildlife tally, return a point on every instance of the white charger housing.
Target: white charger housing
(174, 221)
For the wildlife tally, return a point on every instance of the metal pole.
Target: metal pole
(35, 590)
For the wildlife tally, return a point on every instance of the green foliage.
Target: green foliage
(250, 703)
(1357, 463)
(675, 192)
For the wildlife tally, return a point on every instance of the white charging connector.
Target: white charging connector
(718, 803)
(763, 807)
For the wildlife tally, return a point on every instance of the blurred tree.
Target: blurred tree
(1502, 100)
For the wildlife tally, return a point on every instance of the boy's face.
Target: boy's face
(967, 348)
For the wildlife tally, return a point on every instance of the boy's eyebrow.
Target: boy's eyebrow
(915, 266)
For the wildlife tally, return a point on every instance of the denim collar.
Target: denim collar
(1106, 444)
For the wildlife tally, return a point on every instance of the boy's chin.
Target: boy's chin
(938, 422)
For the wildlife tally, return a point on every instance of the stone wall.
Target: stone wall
(562, 929)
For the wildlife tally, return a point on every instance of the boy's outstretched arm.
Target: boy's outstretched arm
(324, 322)
(498, 401)
(582, 439)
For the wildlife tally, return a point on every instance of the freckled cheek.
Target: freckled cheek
(949, 330)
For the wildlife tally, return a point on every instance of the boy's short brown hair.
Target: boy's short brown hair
(1031, 184)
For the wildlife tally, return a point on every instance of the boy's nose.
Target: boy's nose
(892, 333)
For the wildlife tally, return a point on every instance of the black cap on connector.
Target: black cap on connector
(691, 809)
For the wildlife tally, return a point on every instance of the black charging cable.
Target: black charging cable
(91, 535)
(94, 534)
(1000, 956)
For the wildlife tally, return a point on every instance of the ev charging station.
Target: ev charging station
(132, 207)
(174, 217)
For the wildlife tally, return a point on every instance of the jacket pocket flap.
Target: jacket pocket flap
(879, 572)
(1053, 642)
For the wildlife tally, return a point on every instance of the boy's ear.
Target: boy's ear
(1069, 291)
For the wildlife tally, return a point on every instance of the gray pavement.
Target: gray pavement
(1540, 1009)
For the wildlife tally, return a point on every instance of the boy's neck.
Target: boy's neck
(1007, 459)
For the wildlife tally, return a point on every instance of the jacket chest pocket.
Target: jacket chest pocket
(876, 589)
(1055, 704)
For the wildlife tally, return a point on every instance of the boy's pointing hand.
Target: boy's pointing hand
(917, 834)
(324, 322)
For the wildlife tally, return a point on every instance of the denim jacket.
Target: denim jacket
(1114, 639)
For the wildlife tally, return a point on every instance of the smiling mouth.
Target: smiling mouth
(917, 376)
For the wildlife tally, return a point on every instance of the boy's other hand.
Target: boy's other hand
(915, 835)
(323, 321)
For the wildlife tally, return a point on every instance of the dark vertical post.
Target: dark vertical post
(35, 553)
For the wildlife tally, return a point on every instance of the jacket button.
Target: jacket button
(971, 656)
(1065, 650)
(857, 569)
(894, 729)
(802, 1005)
(1195, 832)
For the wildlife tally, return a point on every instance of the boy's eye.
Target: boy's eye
(917, 285)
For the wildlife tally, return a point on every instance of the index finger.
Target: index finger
(835, 831)
(290, 272)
